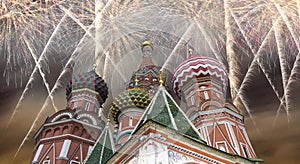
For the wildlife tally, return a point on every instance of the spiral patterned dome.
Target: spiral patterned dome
(195, 67)
(90, 80)
(134, 97)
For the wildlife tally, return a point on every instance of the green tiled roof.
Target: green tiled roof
(164, 110)
(103, 148)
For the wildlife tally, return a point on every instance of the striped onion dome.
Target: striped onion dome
(134, 97)
(196, 67)
(88, 80)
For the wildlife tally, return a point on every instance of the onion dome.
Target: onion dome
(134, 97)
(197, 67)
(88, 80)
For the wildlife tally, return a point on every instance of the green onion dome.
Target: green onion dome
(134, 97)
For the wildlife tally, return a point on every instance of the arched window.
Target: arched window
(130, 121)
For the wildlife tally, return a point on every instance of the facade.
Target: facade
(145, 124)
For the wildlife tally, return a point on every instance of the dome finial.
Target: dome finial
(147, 43)
(136, 80)
(147, 47)
(161, 81)
(94, 66)
(190, 52)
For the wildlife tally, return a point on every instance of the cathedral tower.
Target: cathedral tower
(201, 82)
(69, 135)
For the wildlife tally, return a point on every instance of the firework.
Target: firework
(249, 37)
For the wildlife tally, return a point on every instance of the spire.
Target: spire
(190, 53)
(161, 81)
(103, 148)
(94, 66)
(164, 110)
(136, 82)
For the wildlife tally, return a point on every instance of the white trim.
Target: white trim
(46, 161)
(74, 162)
(247, 139)
(37, 154)
(65, 149)
(67, 135)
(87, 115)
(237, 149)
(219, 110)
(192, 100)
(90, 150)
(229, 134)
(62, 114)
(247, 153)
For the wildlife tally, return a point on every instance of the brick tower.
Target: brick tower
(69, 134)
(201, 83)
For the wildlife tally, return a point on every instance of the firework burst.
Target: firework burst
(249, 37)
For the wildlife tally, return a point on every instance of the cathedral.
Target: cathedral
(147, 123)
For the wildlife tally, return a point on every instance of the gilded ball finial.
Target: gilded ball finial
(161, 81)
(136, 82)
(190, 51)
(147, 43)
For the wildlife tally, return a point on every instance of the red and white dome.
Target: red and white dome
(195, 67)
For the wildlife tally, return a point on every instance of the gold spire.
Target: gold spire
(161, 81)
(94, 66)
(190, 51)
(136, 81)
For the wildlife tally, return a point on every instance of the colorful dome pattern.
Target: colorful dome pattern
(135, 97)
(195, 67)
(90, 80)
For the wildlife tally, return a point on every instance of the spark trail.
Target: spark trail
(56, 86)
(258, 62)
(182, 40)
(282, 58)
(255, 61)
(231, 56)
(208, 40)
(38, 68)
(296, 39)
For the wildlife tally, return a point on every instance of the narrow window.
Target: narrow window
(37, 154)
(120, 125)
(193, 100)
(87, 106)
(130, 121)
(65, 149)
(245, 151)
(76, 104)
(206, 95)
